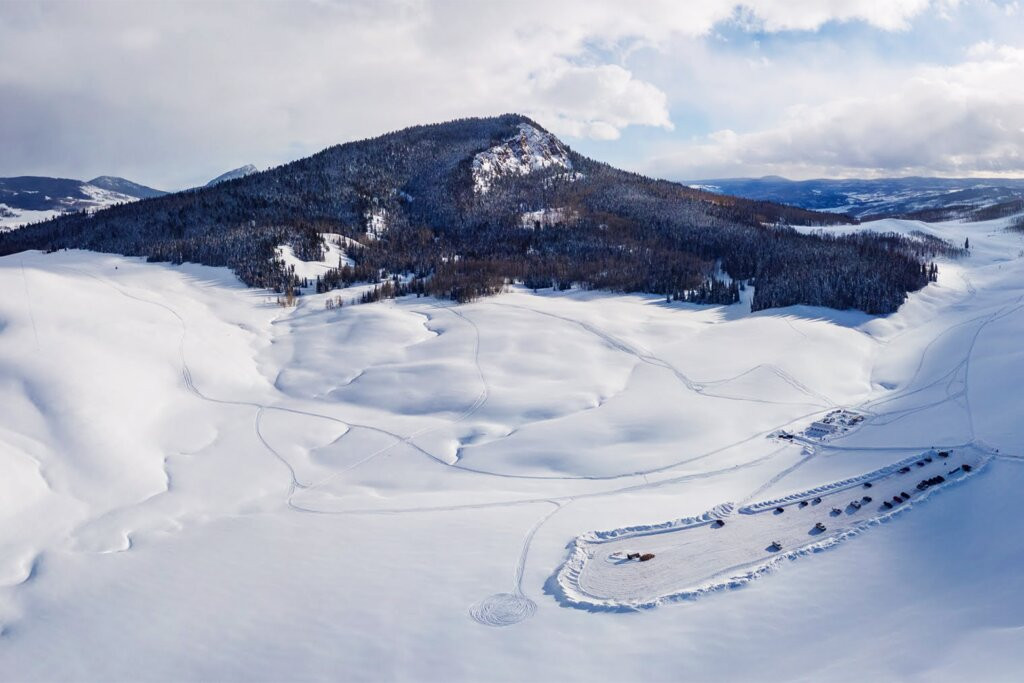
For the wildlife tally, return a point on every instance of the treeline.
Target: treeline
(865, 271)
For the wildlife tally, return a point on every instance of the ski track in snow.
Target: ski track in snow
(645, 356)
(506, 609)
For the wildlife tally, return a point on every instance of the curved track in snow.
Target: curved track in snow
(505, 609)
(645, 356)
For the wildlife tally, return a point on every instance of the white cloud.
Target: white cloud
(173, 92)
(889, 15)
(596, 101)
(965, 119)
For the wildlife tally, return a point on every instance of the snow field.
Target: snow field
(200, 481)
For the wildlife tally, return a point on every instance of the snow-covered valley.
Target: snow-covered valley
(196, 483)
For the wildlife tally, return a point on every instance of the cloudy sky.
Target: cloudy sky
(171, 94)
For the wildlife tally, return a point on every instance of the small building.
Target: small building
(818, 430)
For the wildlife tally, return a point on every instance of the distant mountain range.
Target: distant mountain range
(125, 187)
(30, 199)
(929, 199)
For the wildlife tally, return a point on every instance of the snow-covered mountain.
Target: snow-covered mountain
(239, 172)
(29, 199)
(528, 151)
(923, 198)
(125, 187)
(427, 194)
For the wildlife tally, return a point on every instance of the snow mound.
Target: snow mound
(529, 151)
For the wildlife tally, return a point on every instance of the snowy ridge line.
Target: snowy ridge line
(564, 586)
(717, 512)
(528, 151)
(835, 486)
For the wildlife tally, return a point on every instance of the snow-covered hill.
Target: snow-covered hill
(239, 172)
(198, 484)
(29, 199)
(125, 187)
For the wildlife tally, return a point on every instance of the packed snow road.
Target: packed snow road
(726, 548)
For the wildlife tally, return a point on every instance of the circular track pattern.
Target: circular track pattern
(503, 609)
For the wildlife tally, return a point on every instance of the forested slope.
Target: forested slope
(468, 205)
